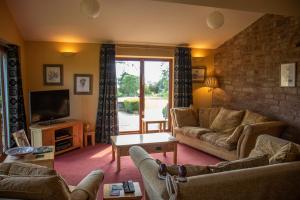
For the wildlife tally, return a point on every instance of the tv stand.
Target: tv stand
(65, 136)
(47, 123)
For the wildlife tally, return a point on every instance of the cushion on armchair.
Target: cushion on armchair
(185, 117)
(227, 120)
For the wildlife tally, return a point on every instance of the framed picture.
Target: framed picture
(198, 74)
(53, 74)
(83, 84)
(21, 139)
(288, 75)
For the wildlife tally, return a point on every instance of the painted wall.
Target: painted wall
(202, 97)
(9, 33)
(248, 67)
(86, 61)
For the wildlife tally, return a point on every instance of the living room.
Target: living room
(195, 84)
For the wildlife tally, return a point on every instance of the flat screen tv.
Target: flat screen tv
(50, 105)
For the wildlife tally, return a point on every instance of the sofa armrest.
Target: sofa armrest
(250, 133)
(155, 188)
(88, 186)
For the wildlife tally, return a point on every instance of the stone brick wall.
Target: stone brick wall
(248, 68)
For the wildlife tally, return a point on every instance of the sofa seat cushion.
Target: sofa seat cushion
(194, 132)
(227, 120)
(27, 169)
(218, 139)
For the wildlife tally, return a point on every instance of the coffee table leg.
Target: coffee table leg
(113, 152)
(118, 160)
(175, 153)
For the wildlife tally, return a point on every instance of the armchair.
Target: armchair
(29, 181)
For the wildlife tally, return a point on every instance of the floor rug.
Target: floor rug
(75, 165)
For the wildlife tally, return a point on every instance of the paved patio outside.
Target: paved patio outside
(153, 110)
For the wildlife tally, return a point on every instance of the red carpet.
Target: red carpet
(75, 165)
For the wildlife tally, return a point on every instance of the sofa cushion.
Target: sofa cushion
(253, 118)
(185, 117)
(194, 132)
(240, 164)
(207, 116)
(287, 153)
(227, 120)
(235, 136)
(37, 187)
(222, 142)
(267, 145)
(218, 139)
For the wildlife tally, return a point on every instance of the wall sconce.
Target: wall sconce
(68, 53)
(211, 82)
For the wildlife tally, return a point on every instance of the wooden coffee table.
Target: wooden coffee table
(47, 159)
(152, 143)
(137, 195)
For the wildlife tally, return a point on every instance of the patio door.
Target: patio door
(144, 91)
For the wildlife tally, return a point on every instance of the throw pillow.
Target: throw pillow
(207, 116)
(249, 118)
(234, 137)
(185, 117)
(240, 164)
(253, 118)
(287, 153)
(227, 120)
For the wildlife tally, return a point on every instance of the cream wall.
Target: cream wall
(9, 33)
(86, 61)
(202, 97)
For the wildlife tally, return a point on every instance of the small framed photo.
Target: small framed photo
(83, 84)
(288, 75)
(198, 74)
(53, 74)
(21, 139)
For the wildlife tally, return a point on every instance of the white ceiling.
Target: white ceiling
(126, 21)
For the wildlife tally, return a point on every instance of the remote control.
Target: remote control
(128, 186)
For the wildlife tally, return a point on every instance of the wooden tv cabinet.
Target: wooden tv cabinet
(68, 133)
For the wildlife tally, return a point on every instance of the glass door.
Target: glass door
(128, 94)
(144, 92)
(156, 90)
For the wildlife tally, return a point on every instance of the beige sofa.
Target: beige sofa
(271, 182)
(228, 134)
(29, 181)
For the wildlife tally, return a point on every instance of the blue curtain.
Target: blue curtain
(107, 115)
(16, 109)
(183, 77)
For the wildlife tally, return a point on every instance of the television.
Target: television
(47, 106)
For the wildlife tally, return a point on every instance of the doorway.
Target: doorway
(143, 91)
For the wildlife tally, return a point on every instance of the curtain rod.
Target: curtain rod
(144, 46)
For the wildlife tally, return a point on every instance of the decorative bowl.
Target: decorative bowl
(19, 151)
